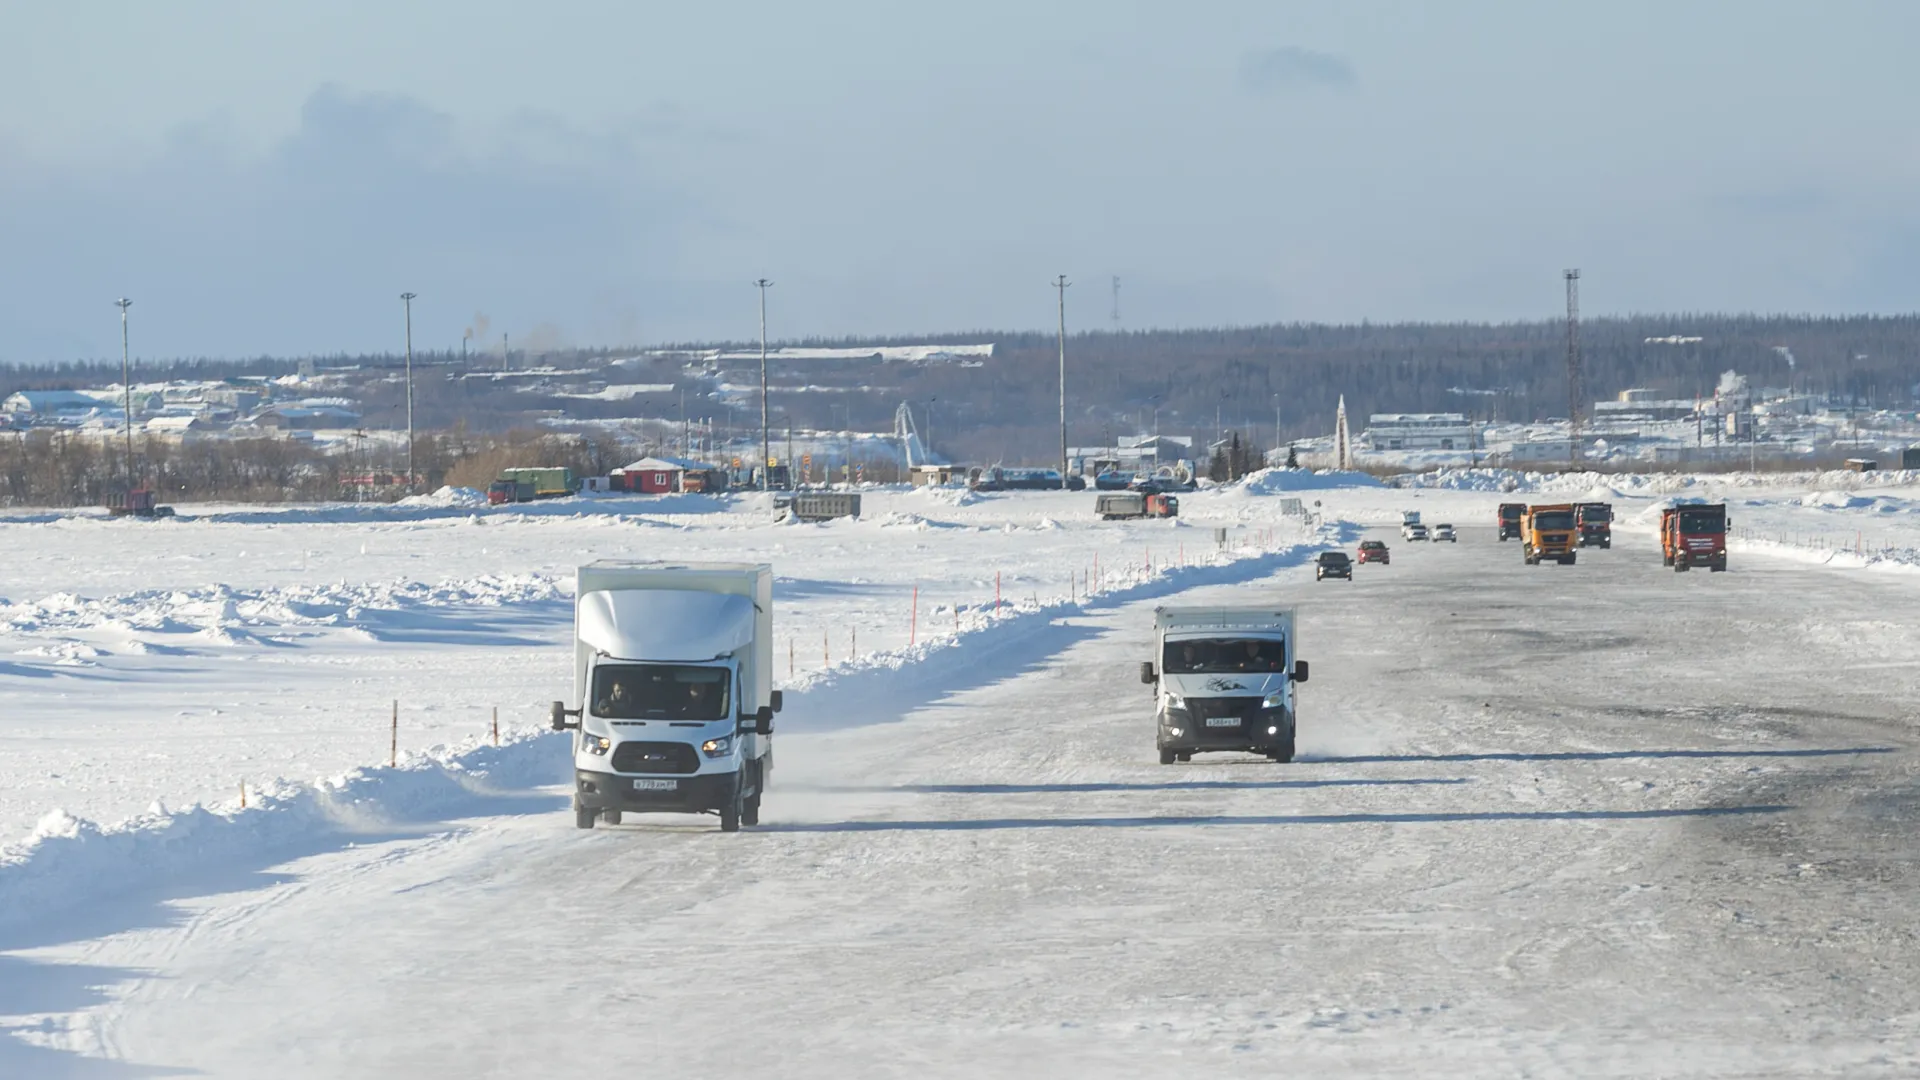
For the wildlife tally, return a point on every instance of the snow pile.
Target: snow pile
(66, 858)
(1286, 481)
(1836, 500)
(448, 496)
(216, 608)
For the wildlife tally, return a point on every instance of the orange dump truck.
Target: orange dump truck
(1547, 532)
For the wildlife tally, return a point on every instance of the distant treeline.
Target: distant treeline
(1267, 381)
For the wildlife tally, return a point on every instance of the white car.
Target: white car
(1444, 532)
(1413, 530)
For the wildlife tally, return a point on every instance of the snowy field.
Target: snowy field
(1600, 820)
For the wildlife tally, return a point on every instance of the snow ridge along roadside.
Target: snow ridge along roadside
(66, 858)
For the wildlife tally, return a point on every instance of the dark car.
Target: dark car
(1373, 551)
(1332, 564)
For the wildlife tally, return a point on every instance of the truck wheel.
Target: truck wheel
(1568, 560)
(1666, 560)
(611, 817)
(1605, 544)
(584, 818)
(1679, 564)
(1719, 565)
(1166, 756)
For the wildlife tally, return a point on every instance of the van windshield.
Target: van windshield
(1553, 519)
(1200, 656)
(659, 692)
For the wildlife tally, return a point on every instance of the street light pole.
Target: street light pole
(1060, 284)
(407, 299)
(766, 445)
(126, 383)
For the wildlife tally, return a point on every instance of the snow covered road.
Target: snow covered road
(1599, 820)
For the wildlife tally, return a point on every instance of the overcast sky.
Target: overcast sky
(268, 178)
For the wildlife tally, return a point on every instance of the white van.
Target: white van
(1225, 680)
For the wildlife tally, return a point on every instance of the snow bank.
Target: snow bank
(66, 859)
(1286, 481)
(218, 607)
(448, 496)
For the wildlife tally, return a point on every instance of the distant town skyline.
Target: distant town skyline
(269, 180)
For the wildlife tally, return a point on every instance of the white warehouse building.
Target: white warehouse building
(1420, 431)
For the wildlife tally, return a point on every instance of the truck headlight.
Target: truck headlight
(595, 744)
(717, 747)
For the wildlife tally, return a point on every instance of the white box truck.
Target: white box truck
(672, 688)
(1225, 681)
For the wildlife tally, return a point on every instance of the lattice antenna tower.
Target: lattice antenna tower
(1574, 389)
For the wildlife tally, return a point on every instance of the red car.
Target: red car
(1373, 551)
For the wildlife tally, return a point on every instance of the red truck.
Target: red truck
(1694, 536)
(1510, 519)
(1595, 524)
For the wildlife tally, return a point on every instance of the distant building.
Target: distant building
(1420, 431)
(663, 475)
(304, 417)
(1537, 451)
(53, 405)
(1131, 454)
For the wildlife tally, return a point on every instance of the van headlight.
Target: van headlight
(1275, 700)
(595, 744)
(717, 747)
(1175, 703)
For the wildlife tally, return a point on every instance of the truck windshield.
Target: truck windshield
(659, 692)
(1209, 655)
(1596, 513)
(1553, 519)
(1703, 521)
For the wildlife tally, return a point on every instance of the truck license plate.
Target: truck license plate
(656, 785)
(1223, 721)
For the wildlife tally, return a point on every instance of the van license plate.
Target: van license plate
(656, 785)
(1223, 721)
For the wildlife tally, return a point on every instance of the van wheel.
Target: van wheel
(1185, 756)
(730, 818)
(750, 811)
(584, 818)
(1166, 756)
(1285, 753)
(611, 817)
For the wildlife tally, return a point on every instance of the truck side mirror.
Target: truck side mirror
(1146, 673)
(763, 720)
(778, 700)
(559, 715)
(1299, 671)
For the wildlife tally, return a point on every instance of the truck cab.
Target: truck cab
(1546, 532)
(1595, 522)
(1510, 515)
(1224, 681)
(673, 707)
(1694, 535)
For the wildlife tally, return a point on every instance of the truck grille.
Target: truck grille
(655, 757)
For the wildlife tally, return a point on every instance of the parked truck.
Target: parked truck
(1694, 535)
(817, 505)
(1510, 514)
(1546, 532)
(549, 482)
(1594, 521)
(509, 491)
(1224, 680)
(673, 703)
(1116, 505)
(138, 503)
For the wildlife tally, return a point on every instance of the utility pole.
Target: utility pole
(126, 383)
(1116, 303)
(1060, 284)
(766, 447)
(1573, 366)
(407, 299)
